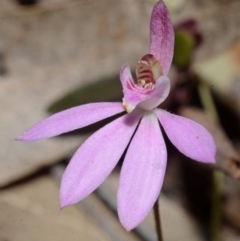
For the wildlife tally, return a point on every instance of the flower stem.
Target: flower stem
(218, 176)
(157, 220)
(216, 209)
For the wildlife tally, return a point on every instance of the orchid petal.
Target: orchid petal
(71, 119)
(96, 158)
(161, 36)
(131, 98)
(190, 138)
(136, 95)
(142, 173)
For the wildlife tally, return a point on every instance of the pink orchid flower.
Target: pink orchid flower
(144, 165)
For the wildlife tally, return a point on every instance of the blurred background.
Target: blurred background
(55, 54)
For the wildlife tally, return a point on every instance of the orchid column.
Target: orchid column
(144, 166)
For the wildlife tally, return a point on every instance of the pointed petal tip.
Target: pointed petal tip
(66, 197)
(22, 138)
(126, 223)
(63, 205)
(128, 229)
(19, 138)
(129, 223)
(28, 136)
(209, 150)
(65, 201)
(211, 160)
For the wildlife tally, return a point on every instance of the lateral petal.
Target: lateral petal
(96, 158)
(71, 119)
(161, 36)
(131, 95)
(190, 138)
(142, 173)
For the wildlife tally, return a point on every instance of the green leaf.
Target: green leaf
(107, 89)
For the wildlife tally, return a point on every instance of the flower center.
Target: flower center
(148, 70)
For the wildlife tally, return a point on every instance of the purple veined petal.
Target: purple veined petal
(96, 158)
(161, 36)
(142, 173)
(145, 98)
(71, 119)
(190, 138)
(131, 97)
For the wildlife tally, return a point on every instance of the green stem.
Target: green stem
(218, 176)
(207, 101)
(157, 220)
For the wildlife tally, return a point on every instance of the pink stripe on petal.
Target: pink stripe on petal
(126, 78)
(96, 158)
(190, 138)
(142, 173)
(71, 119)
(161, 36)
